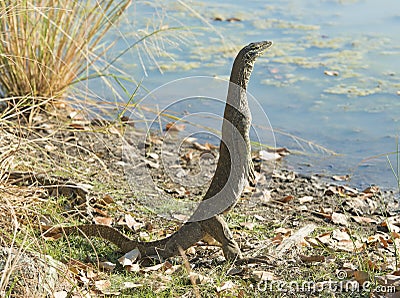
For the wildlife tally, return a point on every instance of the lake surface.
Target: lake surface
(331, 82)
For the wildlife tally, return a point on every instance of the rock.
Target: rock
(29, 274)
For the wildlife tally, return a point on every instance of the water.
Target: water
(355, 114)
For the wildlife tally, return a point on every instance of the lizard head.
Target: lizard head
(244, 62)
(254, 50)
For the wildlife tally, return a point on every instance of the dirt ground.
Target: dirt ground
(306, 227)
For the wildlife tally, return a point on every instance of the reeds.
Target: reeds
(46, 45)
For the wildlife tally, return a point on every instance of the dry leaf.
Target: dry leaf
(311, 241)
(327, 210)
(383, 241)
(248, 225)
(324, 238)
(189, 140)
(343, 189)
(277, 239)
(60, 294)
(349, 245)
(282, 151)
(397, 273)
(371, 190)
(154, 268)
(180, 217)
(133, 268)
(77, 126)
(295, 239)
(92, 275)
(268, 156)
(312, 259)
(151, 164)
(199, 279)
(173, 269)
(155, 140)
(361, 276)
(108, 266)
(340, 235)
(50, 148)
(228, 285)
(340, 219)
(210, 146)
(101, 212)
(102, 285)
(363, 220)
(79, 265)
(265, 196)
(395, 235)
(52, 233)
(172, 126)
(153, 155)
(260, 275)
(233, 20)
(348, 265)
(191, 251)
(259, 217)
(284, 231)
(188, 156)
(389, 224)
(234, 271)
(129, 258)
(107, 199)
(286, 199)
(200, 147)
(341, 178)
(372, 265)
(132, 223)
(107, 221)
(332, 190)
(305, 199)
(331, 73)
(130, 285)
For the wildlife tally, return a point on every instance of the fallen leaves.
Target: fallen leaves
(341, 178)
(260, 275)
(331, 73)
(273, 154)
(306, 199)
(312, 259)
(132, 223)
(248, 225)
(339, 219)
(107, 221)
(265, 155)
(129, 258)
(229, 20)
(228, 285)
(172, 126)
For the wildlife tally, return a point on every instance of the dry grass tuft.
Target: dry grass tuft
(46, 45)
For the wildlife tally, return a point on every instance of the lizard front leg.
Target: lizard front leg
(217, 228)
